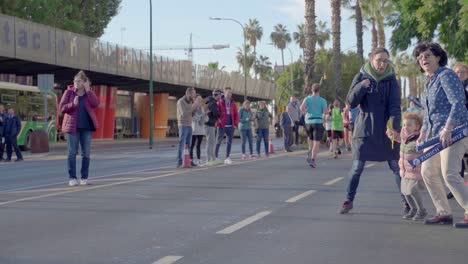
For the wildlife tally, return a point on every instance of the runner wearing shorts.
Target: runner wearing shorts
(314, 107)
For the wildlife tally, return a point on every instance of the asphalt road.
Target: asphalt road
(140, 209)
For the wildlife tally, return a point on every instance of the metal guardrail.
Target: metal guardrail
(31, 41)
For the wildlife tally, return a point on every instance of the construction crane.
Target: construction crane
(190, 48)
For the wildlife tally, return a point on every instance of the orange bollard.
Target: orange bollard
(186, 163)
(271, 148)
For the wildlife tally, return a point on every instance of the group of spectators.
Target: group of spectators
(217, 118)
(10, 127)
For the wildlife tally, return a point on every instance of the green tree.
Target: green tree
(213, 65)
(263, 68)
(323, 34)
(310, 40)
(420, 20)
(84, 17)
(253, 33)
(250, 58)
(299, 36)
(324, 67)
(287, 87)
(280, 38)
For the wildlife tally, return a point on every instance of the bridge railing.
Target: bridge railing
(30, 41)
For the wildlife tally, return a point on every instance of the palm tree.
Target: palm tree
(280, 38)
(263, 67)
(323, 34)
(213, 65)
(310, 40)
(336, 19)
(375, 11)
(299, 36)
(359, 26)
(369, 12)
(384, 8)
(250, 58)
(253, 33)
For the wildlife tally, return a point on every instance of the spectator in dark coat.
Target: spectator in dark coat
(2, 139)
(287, 124)
(376, 91)
(11, 129)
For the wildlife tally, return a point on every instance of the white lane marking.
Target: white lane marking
(98, 177)
(90, 187)
(300, 196)
(79, 189)
(163, 171)
(369, 165)
(333, 181)
(233, 228)
(168, 260)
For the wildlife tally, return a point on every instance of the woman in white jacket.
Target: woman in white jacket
(198, 131)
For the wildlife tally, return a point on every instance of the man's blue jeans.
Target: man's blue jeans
(229, 131)
(356, 171)
(84, 139)
(185, 138)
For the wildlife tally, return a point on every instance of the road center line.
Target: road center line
(168, 260)
(300, 196)
(369, 165)
(89, 188)
(92, 179)
(328, 183)
(233, 228)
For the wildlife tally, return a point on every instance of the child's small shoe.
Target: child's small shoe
(410, 214)
(420, 215)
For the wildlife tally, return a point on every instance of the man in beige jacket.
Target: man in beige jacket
(186, 107)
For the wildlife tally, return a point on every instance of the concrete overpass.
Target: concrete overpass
(28, 48)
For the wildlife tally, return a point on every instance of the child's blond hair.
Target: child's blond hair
(413, 116)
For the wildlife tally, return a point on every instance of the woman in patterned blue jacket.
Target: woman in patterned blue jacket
(444, 109)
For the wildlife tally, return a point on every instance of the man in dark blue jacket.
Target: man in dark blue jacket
(2, 121)
(11, 129)
(287, 124)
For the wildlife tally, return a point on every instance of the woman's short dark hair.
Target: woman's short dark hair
(435, 48)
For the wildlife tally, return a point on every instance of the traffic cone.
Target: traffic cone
(186, 163)
(271, 148)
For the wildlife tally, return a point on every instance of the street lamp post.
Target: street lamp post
(151, 78)
(122, 29)
(291, 64)
(245, 51)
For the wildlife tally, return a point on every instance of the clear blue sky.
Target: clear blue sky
(174, 20)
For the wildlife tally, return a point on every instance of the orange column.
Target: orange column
(101, 92)
(161, 102)
(160, 114)
(109, 122)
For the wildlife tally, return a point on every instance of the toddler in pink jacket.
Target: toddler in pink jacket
(411, 182)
